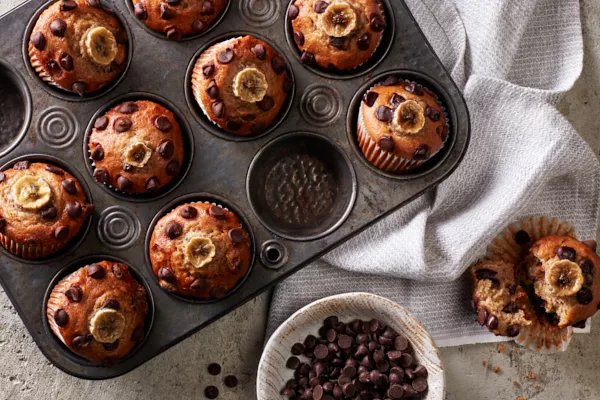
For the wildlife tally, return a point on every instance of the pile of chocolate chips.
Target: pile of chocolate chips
(360, 360)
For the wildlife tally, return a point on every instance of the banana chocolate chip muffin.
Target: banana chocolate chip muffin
(400, 125)
(136, 147)
(200, 250)
(99, 312)
(78, 45)
(241, 84)
(337, 34)
(177, 18)
(42, 207)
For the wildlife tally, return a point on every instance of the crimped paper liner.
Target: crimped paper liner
(40, 70)
(54, 302)
(197, 76)
(30, 250)
(541, 338)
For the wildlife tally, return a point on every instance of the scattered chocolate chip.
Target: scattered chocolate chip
(122, 124)
(231, 381)
(74, 293)
(152, 184)
(207, 8)
(225, 56)
(61, 317)
(111, 346)
(377, 22)
(386, 142)
(54, 170)
(297, 349)
(80, 342)
(266, 103)
(585, 296)
(21, 165)
(166, 148)
(198, 284)
(292, 13)
(218, 108)
(199, 26)
(433, 114)
(211, 392)
(566, 253)
(396, 100)
(370, 98)
(292, 363)
(38, 40)
(485, 273)
(97, 153)
(53, 68)
(173, 34)
(337, 42)
(166, 275)
(421, 152)
(216, 212)
(138, 334)
(236, 235)
(112, 304)
(79, 88)
(510, 308)
(414, 88)
(278, 64)
(580, 324)
(163, 123)
(522, 238)
(95, 271)
(101, 123)
(364, 42)
(492, 322)
(166, 12)
(390, 81)
(320, 6)
(124, 184)
(321, 351)
(307, 58)
(129, 107)
(58, 27)
(173, 230)
(208, 70)
(214, 369)
(173, 2)
(121, 36)
(139, 10)
(212, 90)
(513, 330)
(259, 51)
(173, 168)
(68, 5)
(384, 113)
(94, 3)
(66, 62)
(69, 186)
(188, 212)
(233, 124)
(74, 209)
(100, 175)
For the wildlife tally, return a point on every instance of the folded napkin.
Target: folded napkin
(512, 59)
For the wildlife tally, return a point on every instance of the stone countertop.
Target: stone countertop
(236, 340)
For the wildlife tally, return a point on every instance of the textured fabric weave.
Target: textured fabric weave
(512, 59)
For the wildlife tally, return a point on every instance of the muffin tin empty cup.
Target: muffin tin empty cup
(15, 108)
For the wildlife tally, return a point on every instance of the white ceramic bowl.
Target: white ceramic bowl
(272, 373)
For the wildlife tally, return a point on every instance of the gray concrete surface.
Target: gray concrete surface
(236, 340)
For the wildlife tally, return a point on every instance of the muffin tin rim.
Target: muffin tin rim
(200, 197)
(80, 237)
(351, 201)
(75, 265)
(59, 92)
(186, 133)
(26, 94)
(203, 120)
(364, 68)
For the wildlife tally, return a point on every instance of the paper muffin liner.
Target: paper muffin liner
(197, 77)
(54, 304)
(30, 250)
(385, 160)
(539, 337)
(40, 70)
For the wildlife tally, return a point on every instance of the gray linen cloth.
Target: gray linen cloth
(512, 59)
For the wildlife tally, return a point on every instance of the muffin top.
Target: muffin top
(337, 34)
(404, 119)
(136, 147)
(177, 18)
(79, 45)
(200, 250)
(563, 271)
(99, 311)
(241, 84)
(41, 203)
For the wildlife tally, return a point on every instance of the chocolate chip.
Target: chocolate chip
(58, 27)
(173, 2)
(207, 8)
(74, 293)
(363, 42)
(211, 392)
(69, 186)
(278, 64)
(421, 152)
(513, 330)
(259, 51)
(198, 284)
(216, 212)
(396, 100)
(101, 123)
(218, 108)
(166, 275)
(580, 324)
(390, 81)
(236, 235)
(370, 97)
(233, 124)
(321, 351)
(100, 175)
(445, 132)
(292, 363)
(485, 273)
(74, 209)
(482, 316)
(54, 170)
(297, 349)
(208, 70)
(66, 62)
(199, 26)
(124, 184)
(384, 113)
(122, 124)
(386, 142)
(348, 389)
(2, 224)
(320, 6)
(522, 238)
(173, 168)
(79, 88)
(138, 334)
(139, 10)
(38, 40)
(94, 3)
(510, 308)
(166, 12)
(337, 42)
(566, 253)
(212, 90)
(299, 38)
(400, 343)
(166, 148)
(173, 34)
(110, 346)
(61, 317)
(21, 165)
(492, 322)
(163, 123)
(230, 381)
(112, 304)
(53, 68)
(307, 58)
(80, 342)
(188, 212)
(225, 56)
(121, 36)
(68, 5)
(129, 107)
(95, 271)
(97, 153)
(591, 244)
(433, 114)
(377, 23)
(585, 296)
(214, 369)
(152, 184)
(414, 88)
(266, 103)
(292, 13)
(173, 230)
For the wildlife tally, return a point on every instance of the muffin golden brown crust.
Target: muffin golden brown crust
(99, 312)
(177, 18)
(564, 272)
(136, 147)
(78, 46)
(42, 207)
(200, 250)
(337, 34)
(400, 125)
(241, 84)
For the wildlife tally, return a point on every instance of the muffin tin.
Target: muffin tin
(315, 128)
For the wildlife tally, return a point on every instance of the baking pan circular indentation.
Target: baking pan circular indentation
(320, 105)
(57, 127)
(259, 13)
(118, 227)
